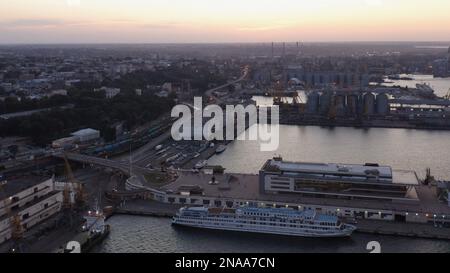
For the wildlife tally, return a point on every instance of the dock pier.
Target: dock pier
(376, 227)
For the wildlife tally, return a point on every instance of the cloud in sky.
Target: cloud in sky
(48, 22)
(223, 20)
(32, 23)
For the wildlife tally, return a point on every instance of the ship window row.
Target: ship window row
(215, 222)
(281, 188)
(280, 183)
(327, 224)
(279, 178)
(263, 221)
(257, 214)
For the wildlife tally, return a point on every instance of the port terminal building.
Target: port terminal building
(338, 181)
(366, 191)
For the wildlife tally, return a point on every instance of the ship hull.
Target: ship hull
(277, 231)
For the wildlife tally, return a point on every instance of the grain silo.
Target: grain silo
(352, 105)
(325, 102)
(339, 104)
(369, 104)
(312, 104)
(383, 107)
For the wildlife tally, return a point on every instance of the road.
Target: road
(210, 92)
(108, 163)
(146, 154)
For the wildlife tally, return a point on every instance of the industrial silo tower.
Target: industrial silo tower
(369, 104)
(312, 104)
(383, 107)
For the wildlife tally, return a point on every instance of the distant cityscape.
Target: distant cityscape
(85, 135)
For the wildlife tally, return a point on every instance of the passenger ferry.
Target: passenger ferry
(281, 221)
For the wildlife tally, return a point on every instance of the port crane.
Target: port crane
(447, 96)
(77, 188)
(278, 93)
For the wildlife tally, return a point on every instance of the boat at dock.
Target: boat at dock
(280, 221)
(93, 232)
(201, 164)
(220, 149)
(400, 77)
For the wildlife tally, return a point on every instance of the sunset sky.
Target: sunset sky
(155, 21)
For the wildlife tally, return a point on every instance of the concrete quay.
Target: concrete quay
(412, 230)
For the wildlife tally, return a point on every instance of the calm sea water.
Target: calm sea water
(401, 148)
(440, 85)
(133, 234)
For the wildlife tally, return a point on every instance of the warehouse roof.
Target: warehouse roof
(84, 132)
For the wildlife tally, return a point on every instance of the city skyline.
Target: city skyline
(219, 21)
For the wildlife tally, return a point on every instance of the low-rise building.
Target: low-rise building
(109, 92)
(86, 135)
(343, 181)
(25, 203)
(64, 142)
(60, 92)
(357, 191)
(162, 94)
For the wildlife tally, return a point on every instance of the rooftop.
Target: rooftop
(355, 169)
(246, 187)
(84, 132)
(328, 168)
(384, 174)
(12, 187)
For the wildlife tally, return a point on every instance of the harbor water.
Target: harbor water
(134, 234)
(440, 85)
(403, 149)
(400, 148)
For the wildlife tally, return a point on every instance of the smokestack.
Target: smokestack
(272, 50)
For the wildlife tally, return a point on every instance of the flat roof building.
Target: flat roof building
(26, 202)
(331, 180)
(86, 135)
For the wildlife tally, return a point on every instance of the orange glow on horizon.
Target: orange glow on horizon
(223, 20)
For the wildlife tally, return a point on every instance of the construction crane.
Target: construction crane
(14, 220)
(297, 99)
(447, 96)
(278, 94)
(332, 112)
(77, 187)
(429, 179)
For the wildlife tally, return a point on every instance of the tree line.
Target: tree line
(92, 109)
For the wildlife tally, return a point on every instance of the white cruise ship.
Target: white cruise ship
(264, 220)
